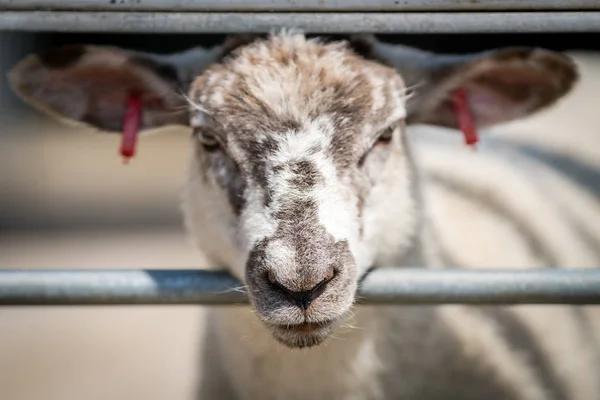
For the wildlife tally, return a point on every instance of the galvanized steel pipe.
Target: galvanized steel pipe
(381, 286)
(304, 5)
(312, 22)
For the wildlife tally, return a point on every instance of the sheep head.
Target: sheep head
(301, 177)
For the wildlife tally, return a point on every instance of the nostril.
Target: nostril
(302, 299)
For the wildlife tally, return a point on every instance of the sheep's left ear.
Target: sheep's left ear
(501, 85)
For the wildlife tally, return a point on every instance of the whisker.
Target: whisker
(194, 105)
(239, 289)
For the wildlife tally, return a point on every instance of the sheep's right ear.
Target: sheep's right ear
(91, 85)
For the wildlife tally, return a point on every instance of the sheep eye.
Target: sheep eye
(386, 135)
(208, 141)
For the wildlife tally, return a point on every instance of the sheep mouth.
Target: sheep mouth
(306, 327)
(307, 334)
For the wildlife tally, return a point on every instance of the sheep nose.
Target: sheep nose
(304, 298)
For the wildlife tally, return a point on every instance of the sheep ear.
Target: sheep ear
(91, 85)
(501, 85)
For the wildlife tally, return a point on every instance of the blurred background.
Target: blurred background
(67, 201)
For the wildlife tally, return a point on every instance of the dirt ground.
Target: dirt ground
(150, 353)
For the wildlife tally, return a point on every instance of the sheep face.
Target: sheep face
(299, 161)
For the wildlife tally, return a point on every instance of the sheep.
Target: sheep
(303, 177)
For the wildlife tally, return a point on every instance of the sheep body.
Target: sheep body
(307, 169)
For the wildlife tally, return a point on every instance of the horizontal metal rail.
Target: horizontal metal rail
(382, 286)
(319, 22)
(298, 5)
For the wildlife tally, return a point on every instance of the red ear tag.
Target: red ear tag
(131, 127)
(464, 116)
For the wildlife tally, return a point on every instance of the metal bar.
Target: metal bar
(169, 22)
(382, 286)
(298, 5)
